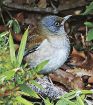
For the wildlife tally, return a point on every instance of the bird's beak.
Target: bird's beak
(66, 18)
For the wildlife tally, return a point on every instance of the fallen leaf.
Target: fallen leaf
(90, 80)
(77, 83)
(79, 72)
(62, 77)
(82, 59)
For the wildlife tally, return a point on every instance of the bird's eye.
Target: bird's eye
(57, 23)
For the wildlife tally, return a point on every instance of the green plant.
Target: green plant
(89, 25)
(14, 77)
(3, 40)
(16, 61)
(14, 25)
(75, 97)
(89, 9)
(89, 36)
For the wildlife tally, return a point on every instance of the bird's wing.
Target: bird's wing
(28, 51)
(34, 41)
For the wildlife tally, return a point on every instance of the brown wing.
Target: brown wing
(34, 40)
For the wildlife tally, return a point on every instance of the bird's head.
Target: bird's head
(54, 24)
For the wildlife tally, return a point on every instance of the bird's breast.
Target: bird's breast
(48, 51)
(56, 57)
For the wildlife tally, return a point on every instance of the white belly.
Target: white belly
(56, 57)
(55, 61)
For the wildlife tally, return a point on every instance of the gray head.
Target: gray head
(54, 23)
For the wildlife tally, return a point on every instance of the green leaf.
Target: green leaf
(87, 91)
(10, 23)
(4, 33)
(1, 102)
(47, 102)
(28, 90)
(89, 24)
(70, 95)
(7, 75)
(40, 66)
(64, 101)
(12, 49)
(79, 100)
(16, 26)
(36, 84)
(89, 9)
(61, 102)
(89, 35)
(23, 101)
(22, 48)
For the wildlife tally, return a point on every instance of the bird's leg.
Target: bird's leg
(50, 80)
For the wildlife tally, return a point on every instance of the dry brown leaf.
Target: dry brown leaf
(77, 83)
(88, 64)
(77, 58)
(75, 52)
(62, 77)
(90, 80)
(82, 59)
(67, 79)
(65, 67)
(79, 72)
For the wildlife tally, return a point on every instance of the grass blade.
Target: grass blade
(23, 101)
(12, 49)
(22, 48)
(16, 26)
(28, 90)
(40, 66)
(4, 33)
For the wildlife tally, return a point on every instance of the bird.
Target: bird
(53, 44)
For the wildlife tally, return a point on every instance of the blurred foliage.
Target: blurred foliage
(89, 36)
(89, 10)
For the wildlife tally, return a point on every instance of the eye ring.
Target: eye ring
(57, 24)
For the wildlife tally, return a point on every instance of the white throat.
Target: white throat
(59, 41)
